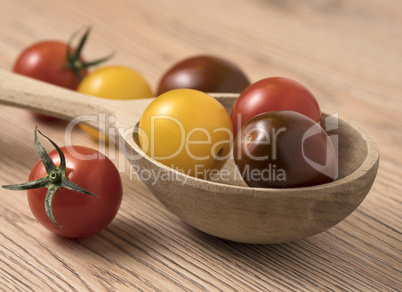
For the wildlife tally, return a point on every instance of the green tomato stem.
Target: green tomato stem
(73, 57)
(54, 179)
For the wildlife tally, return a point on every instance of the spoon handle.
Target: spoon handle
(23, 92)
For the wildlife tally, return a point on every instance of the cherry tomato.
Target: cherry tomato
(187, 130)
(55, 62)
(113, 82)
(80, 215)
(204, 73)
(284, 149)
(273, 94)
(46, 61)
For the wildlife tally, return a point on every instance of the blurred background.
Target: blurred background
(338, 48)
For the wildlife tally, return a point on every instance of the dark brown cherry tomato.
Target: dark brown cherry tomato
(284, 149)
(204, 73)
(273, 94)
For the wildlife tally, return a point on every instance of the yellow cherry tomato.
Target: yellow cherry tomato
(187, 130)
(113, 82)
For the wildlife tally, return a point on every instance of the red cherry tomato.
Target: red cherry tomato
(273, 94)
(80, 215)
(204, 73)
(46, 61)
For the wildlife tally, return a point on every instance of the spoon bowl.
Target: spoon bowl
(223, 206)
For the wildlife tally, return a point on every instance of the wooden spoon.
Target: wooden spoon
(225, 208)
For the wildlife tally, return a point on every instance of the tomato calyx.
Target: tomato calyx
(74, 61)
(54, 179)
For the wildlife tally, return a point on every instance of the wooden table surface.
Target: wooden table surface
(349, 53)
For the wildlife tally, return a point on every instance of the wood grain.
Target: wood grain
(347, 52)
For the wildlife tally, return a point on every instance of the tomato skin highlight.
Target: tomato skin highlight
(80, 215)
(273, 94)
(46, 61)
